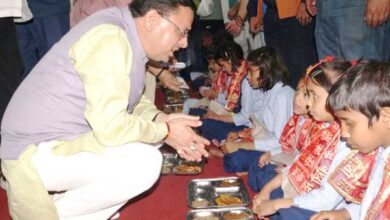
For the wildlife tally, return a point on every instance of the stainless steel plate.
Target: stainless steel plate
(173, 164)
(172, 108)
(211, 189)
(240, 213)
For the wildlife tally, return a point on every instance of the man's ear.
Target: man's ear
(385, 116)
(152, 20)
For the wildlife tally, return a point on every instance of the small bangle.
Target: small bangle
(169, 131)
(154, 118)
(159, 73)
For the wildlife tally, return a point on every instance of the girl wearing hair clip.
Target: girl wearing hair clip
(302, 182)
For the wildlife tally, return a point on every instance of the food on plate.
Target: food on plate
(236, 216)
(227, 183)
(200, 203)
(184, 168)
(227, 200)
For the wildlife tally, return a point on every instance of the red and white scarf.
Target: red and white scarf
(293, 135)
(350, 178)
(234, 88)
(380, 206)
(313, 163)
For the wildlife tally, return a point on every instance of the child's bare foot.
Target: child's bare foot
(242, 173)
(215, 152)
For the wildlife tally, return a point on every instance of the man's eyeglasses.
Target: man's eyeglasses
(182, 33)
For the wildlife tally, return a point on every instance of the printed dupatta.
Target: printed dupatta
(234, 88)
(220, 82)
(350, 178)
(379, 208)
(313, 163)
(293, 135)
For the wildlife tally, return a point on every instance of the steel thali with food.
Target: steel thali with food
(217, 193)
(173, 164)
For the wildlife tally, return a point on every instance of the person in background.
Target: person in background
(289, 28)
(49, 23)
(11, 65)
(89, 136)
(234, 13)
(352, 29)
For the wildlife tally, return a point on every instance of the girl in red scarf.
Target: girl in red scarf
(320, 145)
(228, 81)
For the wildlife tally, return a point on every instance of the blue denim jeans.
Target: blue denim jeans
(342, 32)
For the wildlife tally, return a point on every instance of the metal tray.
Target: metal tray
(172, 164)
(240, 213)
(169, 161)
(172, 97)
(174, 100)
(203, 193)
(173, 108)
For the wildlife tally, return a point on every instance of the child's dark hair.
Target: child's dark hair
(271, 66)
(222, 36)
(327, 72)
(364, 87)
(229, 50)
(210, 53)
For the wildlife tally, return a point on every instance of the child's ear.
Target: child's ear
(385, 116)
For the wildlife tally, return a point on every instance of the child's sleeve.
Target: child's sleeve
(326, 197)
(354, 210)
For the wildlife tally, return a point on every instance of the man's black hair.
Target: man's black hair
(139, 8)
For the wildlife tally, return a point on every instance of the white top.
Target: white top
(10, 8)
(251, 101)
(15, 8)
(274, 109)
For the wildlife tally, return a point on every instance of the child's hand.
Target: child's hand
(210, 115)
(266, 207)
(230, 147)
(232, 136)
(261, 196)
(332, 215)
(264, 159)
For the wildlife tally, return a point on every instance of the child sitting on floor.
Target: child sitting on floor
(228, 86)
(293, 141)
(265, 94)
(322, 151)
(361, 101)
